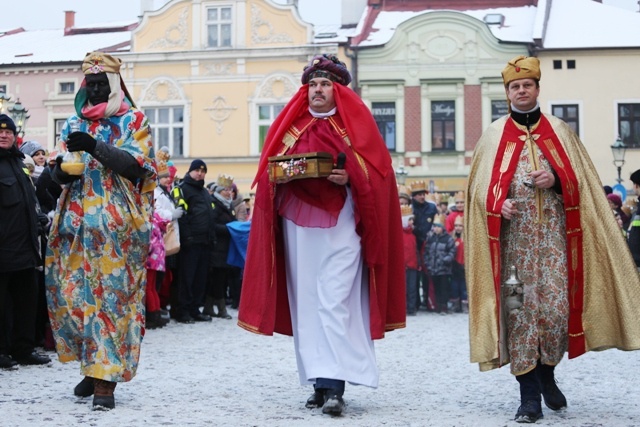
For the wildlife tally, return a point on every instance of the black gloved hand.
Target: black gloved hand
(80, 141)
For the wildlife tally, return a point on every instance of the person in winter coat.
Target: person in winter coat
(19, 255)
(458, 297)
(633, 235)
(410, 259)
(197, 240)
(220, 273)
(439, 253)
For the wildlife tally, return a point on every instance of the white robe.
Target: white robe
(329, 300)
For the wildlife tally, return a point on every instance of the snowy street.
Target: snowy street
(217, 374)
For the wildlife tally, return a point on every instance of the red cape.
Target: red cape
(264, 305)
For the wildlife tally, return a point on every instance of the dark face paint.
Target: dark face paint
(98, 88)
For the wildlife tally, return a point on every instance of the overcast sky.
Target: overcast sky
(49, 14)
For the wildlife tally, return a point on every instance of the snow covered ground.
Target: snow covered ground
(216, 374)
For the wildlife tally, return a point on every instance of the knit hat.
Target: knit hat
(635, 177)
(28, 161)
(197, 164)
(31, 147)
(7, 123)
(327, 66)
(615, 199)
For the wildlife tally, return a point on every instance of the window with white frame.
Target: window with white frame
(167, 127)
(443, 125)
(267, 113)
(629, 124)
(219, 21)
(57, 129)
(3, 89)
(568, 113)
(499, 108)
(67, 88)
(384, 114)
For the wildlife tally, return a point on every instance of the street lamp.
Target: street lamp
(401, 174)
(619, 150)
(19, 115)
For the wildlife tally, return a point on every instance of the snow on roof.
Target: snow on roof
(575, 24)
(571, 24)
(332, 33)
(42, 46)
(517, 25)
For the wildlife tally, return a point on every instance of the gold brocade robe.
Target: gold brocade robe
(610, 316)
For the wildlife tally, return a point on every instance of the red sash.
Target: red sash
(504, 167)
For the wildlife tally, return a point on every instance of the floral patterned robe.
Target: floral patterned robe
(95, 262)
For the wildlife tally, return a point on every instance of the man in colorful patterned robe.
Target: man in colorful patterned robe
(535, 201)
(99, 241)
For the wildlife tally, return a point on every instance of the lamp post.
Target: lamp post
(619, 150)
(401, 174)
(19, 115)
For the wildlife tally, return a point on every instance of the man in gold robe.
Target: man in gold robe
(534, 201)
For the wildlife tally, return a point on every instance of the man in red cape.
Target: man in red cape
(324, 261)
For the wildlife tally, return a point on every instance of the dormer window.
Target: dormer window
(494, 19)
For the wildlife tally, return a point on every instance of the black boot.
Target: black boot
(333, 402)
(553, 397)
(530, 409)
(316, 400)
(84, 388)
(103, 399)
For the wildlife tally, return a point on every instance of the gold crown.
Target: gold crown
(224, 180)
(404, 192)
(162, 168)
(459, 220)
(439, 219)
(163, 155)
(431, 198)
(406, 210)
(418, 186)
(459, 197)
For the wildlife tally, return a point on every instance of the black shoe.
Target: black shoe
(84, 388)
(316, 400)
(33, 359)
(553, 397)
(185, 318)
(7, 363)
(529, 412)
(103, 403)
(333, 405)
(202, 318)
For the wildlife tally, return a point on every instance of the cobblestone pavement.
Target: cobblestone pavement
(216, 374)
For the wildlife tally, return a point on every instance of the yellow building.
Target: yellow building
(212, 76)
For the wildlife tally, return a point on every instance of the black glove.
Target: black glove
(80, 141)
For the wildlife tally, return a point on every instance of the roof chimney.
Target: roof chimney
(69, 19)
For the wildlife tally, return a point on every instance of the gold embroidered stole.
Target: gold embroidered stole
(511, 144)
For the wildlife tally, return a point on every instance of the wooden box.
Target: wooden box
(300, 166)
